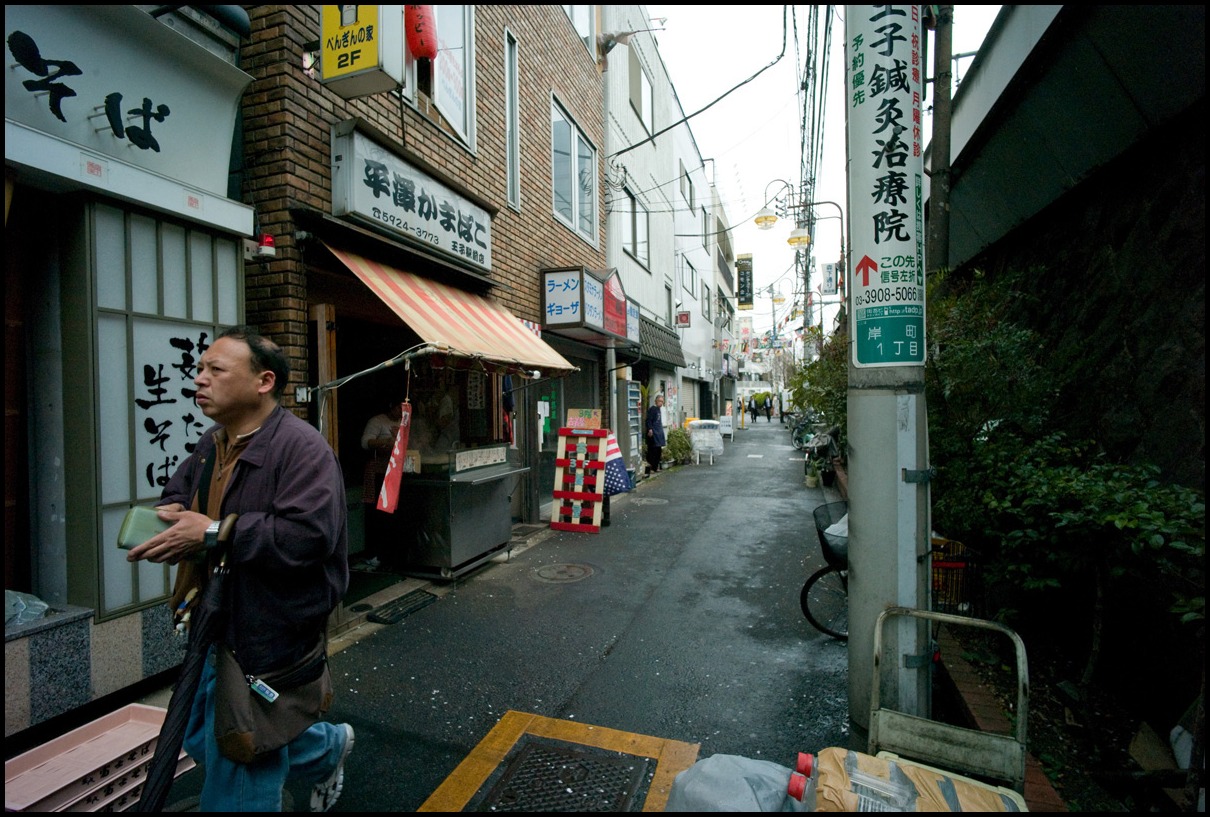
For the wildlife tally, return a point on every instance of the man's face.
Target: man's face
(227, 387)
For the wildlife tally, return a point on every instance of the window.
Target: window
(640, 92)
(162, 290)
(705, 229)
(687, 187)
(706, 300)
(512, 121)
(582, 18)
(689, 278)
(453, 70)
(635, 229)
(573, 174)
(668, 305)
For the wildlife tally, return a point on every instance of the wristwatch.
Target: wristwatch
(211, 537)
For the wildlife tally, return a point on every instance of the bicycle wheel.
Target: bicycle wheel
(825, 602)
(799, 438)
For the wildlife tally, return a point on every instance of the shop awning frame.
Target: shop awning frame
(463, 326)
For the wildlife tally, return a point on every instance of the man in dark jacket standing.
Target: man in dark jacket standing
(655, 434)
(288, 561)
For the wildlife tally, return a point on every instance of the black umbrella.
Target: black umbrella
(206, 621)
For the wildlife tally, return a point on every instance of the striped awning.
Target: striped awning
(455, 322)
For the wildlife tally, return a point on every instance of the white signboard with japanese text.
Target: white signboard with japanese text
(827, 273)
(572, 297)
(372, 184)
(883, 47)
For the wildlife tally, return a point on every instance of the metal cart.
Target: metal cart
(982, 755)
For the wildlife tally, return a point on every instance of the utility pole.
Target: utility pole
(887, 418)
(941, 175)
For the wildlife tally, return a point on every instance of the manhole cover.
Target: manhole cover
(648, 500)
(553, 778)
(563, 574)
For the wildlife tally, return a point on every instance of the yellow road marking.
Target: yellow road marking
(672, 757)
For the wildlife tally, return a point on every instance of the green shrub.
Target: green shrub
(679, 449)
(822, 386)
(1077, 548)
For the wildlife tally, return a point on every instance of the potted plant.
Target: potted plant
(811, 473)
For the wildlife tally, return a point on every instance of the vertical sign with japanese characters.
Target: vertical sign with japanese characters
(743, 291)
(886, 184)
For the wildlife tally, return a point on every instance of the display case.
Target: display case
(454, 510)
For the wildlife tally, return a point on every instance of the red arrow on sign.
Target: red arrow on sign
(864, 267)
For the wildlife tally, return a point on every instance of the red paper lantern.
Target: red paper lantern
(421, 28)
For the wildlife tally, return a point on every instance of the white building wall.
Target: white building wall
(643, 170)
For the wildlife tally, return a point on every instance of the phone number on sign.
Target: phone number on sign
(399, 224)
(887, 295)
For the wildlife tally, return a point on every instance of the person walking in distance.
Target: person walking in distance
(768, 409)
(288, 562)
(752, 408)
(655, 434)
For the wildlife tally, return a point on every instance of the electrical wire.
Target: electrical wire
(710, 105)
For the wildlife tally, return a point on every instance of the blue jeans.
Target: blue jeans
(229, 786)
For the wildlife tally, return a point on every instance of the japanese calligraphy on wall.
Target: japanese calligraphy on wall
(372, 184)
(883, 52)
(168, 423)
(120, 84)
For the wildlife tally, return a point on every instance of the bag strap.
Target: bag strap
(203, 488)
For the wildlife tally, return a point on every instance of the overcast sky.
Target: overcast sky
(753, 136)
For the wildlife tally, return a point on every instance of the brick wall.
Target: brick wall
(288, 118)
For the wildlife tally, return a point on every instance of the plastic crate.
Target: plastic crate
(100, 766)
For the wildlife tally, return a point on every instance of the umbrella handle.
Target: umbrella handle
(227, 527)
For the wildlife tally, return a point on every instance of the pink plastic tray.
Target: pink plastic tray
(98, 766)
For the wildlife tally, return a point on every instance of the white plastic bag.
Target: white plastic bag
(22, 608)
(734, 783)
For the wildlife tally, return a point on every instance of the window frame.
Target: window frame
(636, 242)
(460, 117)
(582, 159)
(583, 20)
(512, 119)
(689, 277)
(641, 87)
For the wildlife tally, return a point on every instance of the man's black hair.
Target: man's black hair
(266, 356)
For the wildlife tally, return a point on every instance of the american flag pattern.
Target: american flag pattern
(617, 479)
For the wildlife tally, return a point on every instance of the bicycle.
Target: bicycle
(825, 595)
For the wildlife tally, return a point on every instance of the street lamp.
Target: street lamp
(786, 202)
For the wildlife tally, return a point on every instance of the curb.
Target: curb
(982, 711)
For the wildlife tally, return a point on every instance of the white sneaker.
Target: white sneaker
(325, 794)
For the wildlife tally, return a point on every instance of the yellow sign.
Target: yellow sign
(361, 49)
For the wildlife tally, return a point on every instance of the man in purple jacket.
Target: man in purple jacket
(287, 554)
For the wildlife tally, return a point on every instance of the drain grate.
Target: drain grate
(546, 777)
(396, 611)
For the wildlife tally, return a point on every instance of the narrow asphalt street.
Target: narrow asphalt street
(680, 621)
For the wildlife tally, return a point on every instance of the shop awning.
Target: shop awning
(455, 322)
(660, 344)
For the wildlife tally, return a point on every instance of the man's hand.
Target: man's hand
(186, 537)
